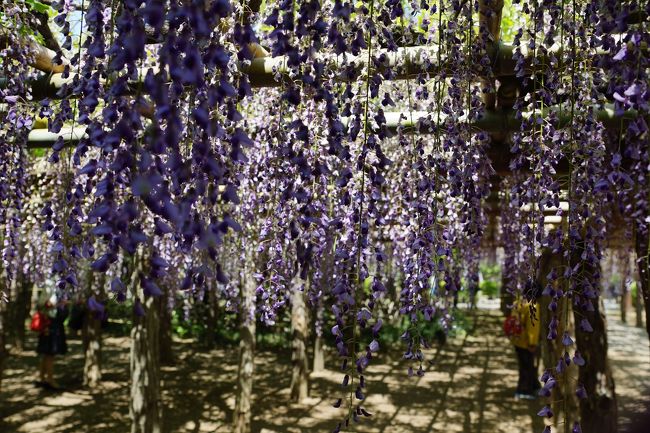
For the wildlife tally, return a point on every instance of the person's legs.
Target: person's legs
(41, 368)
(521, 359)
(528, 376)
(533, 376)
(49, 369)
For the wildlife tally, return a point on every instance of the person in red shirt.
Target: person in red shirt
(51, 341)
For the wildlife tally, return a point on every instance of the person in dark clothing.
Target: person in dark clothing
(52, 342)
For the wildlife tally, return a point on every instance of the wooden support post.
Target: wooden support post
(564, 402)
(638, 298)
(506, 297)
(210, 313)
(92, 333)
(599, 411)
(18, 310)
(165, 333)
(92, 346)
(626, 295)
(319, 356)
(243, 400)
(490, 21)
(299, 325)
(145, 406)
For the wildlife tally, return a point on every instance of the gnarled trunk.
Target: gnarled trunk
(242, 414)
(319, 355)
(165, 344)
(638, 307)
(18, 311)
(144, 406)
(3, 351)
(91, 335)
(92, 346)
(506, 297)
(626, 295)
(300, 373)
(564, 401)
(599, 411)
(211, 314)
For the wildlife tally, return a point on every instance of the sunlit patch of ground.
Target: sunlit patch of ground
(630, 359)
(468, 388)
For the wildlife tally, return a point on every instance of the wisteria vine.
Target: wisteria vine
(361, 173)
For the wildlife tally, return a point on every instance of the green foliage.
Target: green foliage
(38, 152)
(511, 20)
(185, 328)
(120, 318)
(463, 293)
(491, 283)
(615, 280)
(37, 6)
(489, 288)
(226, 332)
(432, 331)
(23, 30)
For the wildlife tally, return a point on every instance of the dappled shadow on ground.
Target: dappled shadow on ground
(467, 388)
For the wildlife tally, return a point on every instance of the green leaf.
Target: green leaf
(37, 6)
(38, 153)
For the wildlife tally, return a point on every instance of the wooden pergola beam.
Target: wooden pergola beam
(43, 59)
(490, 12)
(405, 63)
(418, 122)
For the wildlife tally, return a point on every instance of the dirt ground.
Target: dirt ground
(468, 388)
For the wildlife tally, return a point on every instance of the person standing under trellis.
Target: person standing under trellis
(523, 330)
(51, 339)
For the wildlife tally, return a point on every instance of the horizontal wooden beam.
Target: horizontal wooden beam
(419, 122)
(43, 58)
(405, 63)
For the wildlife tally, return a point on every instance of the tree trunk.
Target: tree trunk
(626, 302)
(300, 373)
(3, 351)
(18, 311)
(598, 412)
(507, 298)
(242, 414)
(91, 334)
(642, 254)
(626, 296)
(564, 401)
(144, 406)
(92, 345)
(638, 307)
(211, 315)
(319, 356)
(166, 351)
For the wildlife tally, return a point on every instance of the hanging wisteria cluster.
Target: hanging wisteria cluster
(367, 159)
